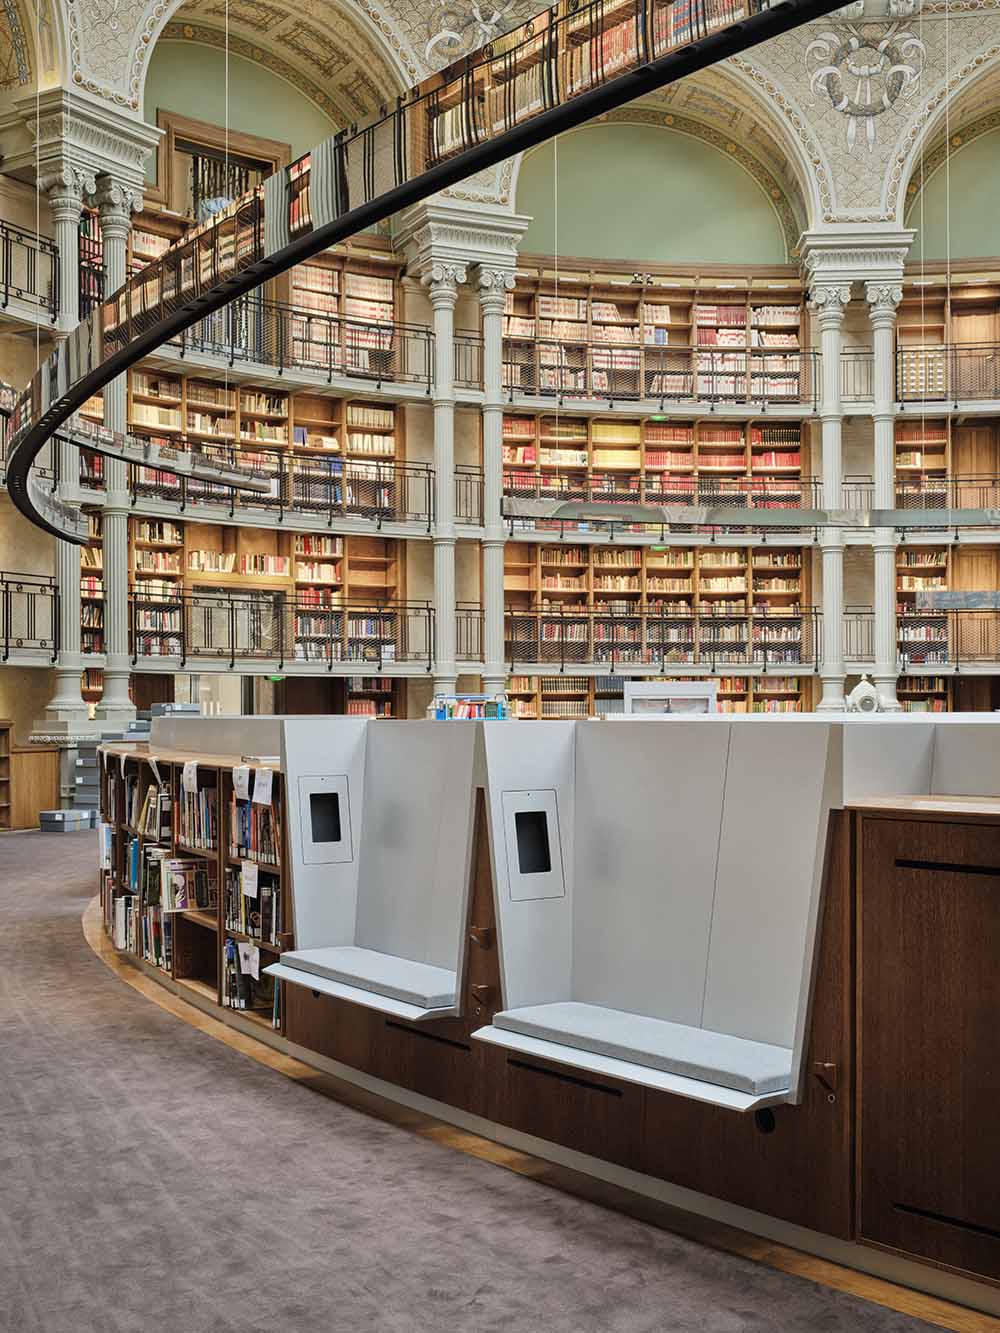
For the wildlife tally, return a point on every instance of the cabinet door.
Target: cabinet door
(929, 1040)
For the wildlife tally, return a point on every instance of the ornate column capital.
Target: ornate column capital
(116, 202)
(494, 284)
(829, 298)
(67, 187)
(443, 282)
(883, 298)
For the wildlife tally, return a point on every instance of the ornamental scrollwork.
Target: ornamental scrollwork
(865, 71)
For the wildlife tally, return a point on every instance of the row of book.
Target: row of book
(254, 832)
(259, 914)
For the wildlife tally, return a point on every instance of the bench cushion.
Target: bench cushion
(414, 983)
(713, 1057)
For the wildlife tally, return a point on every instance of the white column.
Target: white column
(116, 203)
(828, 300)
(493, 284)
(883, 298)
(443, 282)
(66, 713)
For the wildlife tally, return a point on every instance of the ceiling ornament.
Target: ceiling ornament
(864, 73)
(15, 65)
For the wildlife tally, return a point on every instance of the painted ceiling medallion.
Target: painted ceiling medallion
(865, 71)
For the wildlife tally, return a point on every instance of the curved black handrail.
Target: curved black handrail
(571, 63)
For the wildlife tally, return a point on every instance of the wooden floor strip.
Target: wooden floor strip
(706, 1231)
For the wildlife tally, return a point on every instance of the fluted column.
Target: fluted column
(116, 204)
(443, 282)
(493, 284)
(828, 301)
(883, 298)
(67, 712)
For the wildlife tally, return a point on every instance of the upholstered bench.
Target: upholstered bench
(752, 1067)
(340, 969)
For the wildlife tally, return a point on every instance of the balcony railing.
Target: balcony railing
(291, 337)
(949, 373)
(948, 637)
(857, 375)
(859, 634)
(29, 270)
(228, 626)
(469, 632)
(469, 494)
(29, 615)
(564, 637)
(323, 487)
(621, 372)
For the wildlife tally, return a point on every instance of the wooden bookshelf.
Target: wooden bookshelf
(194, 947)
(663, 460)
(6, 787)
(568, 697)
(92, 588)
(742, 334)
(739, 600)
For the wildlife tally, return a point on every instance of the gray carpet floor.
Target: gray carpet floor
(153, 1179)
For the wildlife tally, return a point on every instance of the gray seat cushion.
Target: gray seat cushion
(414, 983)
(674, 1048)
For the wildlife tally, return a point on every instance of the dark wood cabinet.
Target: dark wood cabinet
(929, 1040)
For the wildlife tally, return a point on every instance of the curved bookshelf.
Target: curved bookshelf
(567, 65)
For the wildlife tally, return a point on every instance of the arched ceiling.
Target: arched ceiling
(15, 60)
(974, 111)
(330, 56)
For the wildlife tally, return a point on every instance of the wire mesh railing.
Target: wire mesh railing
(29, 615)
(324, 630)
(950, 372)
(325, 487)
(537, 367)
(289, 337)
(952, 637)
(667, 638)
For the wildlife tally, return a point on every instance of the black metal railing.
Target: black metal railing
(948, 637)
(327, 487)
(29, 615)
(565, 636)
(538, 367)
(217, 179)
(219, 625)
(951, 372)
(859, 634)
(468, 494)
(468, 359)
(857, 374)
(29, 269)
(469, 632)
(252, 329)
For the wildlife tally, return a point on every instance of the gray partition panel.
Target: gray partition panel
(886, 757)
(779, 788)
(649, 810)
(535, 934)
(324, 754)
(966, 759)
(217, 735)
(416, 841)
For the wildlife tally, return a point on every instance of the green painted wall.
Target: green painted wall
(189, 79)
(975, 205)
(637, 192)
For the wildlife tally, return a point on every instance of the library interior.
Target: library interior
(415, 420)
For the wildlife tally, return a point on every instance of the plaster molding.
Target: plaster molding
(856, 253)
(498, 280)
(444, 280)
(442, 232)
(829, 298)
(71, 129)
(883, 298)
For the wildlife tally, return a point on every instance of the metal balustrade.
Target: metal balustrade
(948, 638)
(289, 337)
(29, 270)
(228, 626)
(469, 632)
(948, 373)
(568, 65)
(325, 487)
(621, 372)
(859, 635)
(565, 637)
(29, 615)
(469, 495)
(857, 375)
